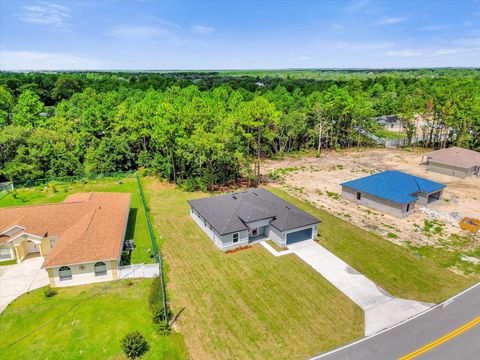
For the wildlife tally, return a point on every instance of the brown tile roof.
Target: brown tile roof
(455, 156)
(90, 226)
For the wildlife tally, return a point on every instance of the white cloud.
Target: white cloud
(129, 32)
(36, 60)
(391, 20)
(200, 29)
(441, 52)
(44, 13)
(404, 53)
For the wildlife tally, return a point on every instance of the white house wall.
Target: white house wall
(83, 274)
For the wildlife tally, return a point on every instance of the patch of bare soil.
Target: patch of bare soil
(318, 180)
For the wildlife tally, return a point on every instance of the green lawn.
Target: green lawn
(391, 135)
(393, 267)
(247, 304)
(92, 330)
(137, 227)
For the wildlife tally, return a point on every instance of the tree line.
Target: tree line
(207, 129)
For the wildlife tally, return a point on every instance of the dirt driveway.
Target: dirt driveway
(18, 279)
(318, 180)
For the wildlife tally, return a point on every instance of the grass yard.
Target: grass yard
(390, 135)
(247, 304)
(137, 227)
(93, 330)
(393, 267)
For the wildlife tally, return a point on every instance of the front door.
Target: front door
(32, 248)
(254, 232)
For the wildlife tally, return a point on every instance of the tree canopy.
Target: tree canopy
(206, 129)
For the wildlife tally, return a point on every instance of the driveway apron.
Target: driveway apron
(382, 310)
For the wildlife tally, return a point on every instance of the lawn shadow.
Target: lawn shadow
(132, 217)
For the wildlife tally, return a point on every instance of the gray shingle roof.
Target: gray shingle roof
(229, 213)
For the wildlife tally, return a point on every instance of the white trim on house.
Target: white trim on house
(225, 242)
(13, 227)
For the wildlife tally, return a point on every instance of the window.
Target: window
(359, 196)
(100, 269)
(5, 253)
(65, 273)
(408, 207)
(235, 238)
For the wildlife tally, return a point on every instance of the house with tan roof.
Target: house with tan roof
(81, 238)
(454, 161)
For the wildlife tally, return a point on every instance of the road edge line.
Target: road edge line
(396, 325)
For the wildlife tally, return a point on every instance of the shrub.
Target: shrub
(49, 292)
(134, 345)
(158, 314)
(164, 328)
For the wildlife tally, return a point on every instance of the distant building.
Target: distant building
(393, 192)
(390, 122)
(454, 161)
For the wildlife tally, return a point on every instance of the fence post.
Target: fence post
(157, 255)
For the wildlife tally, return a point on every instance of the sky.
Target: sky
(229, 34)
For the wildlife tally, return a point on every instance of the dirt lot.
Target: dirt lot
(318, 179)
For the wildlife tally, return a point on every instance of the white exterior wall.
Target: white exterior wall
(83, 274)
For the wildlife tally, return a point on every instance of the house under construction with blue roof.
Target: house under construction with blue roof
(393, 192)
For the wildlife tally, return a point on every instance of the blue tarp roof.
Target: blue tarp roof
(394, 186)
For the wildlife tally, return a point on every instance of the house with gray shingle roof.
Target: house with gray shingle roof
(392, 191)
(237, 219)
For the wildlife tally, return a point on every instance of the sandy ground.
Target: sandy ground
(318, 181)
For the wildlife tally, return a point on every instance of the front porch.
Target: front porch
(257, 238)
(28, 246)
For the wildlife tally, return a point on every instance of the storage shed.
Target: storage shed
(393, 192)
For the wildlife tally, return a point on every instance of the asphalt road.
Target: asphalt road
(453, 327)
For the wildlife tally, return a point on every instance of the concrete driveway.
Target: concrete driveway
(382, 310)
(18, 279)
